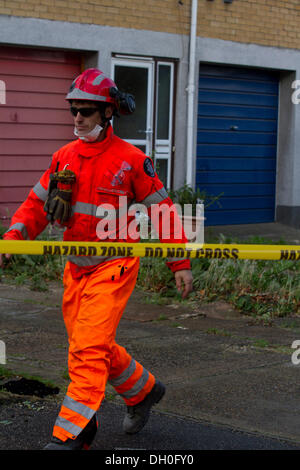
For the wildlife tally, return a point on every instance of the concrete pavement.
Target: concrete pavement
(219, 368)
(270, 231)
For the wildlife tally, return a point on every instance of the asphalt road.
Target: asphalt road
(26, 423)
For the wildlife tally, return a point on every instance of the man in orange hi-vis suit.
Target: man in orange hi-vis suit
(97, 174)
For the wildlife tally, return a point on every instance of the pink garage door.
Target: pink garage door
(34, 118)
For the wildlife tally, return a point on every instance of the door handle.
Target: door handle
(147, 132)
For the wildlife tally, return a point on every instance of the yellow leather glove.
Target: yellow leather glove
(58, 205)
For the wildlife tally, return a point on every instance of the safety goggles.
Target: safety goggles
(85, 112)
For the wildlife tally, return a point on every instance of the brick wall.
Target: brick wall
(266, 22)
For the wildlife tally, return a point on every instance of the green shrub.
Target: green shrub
(187, 195)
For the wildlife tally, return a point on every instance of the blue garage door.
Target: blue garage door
(236, 143)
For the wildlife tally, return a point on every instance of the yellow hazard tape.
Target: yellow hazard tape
(152, 250)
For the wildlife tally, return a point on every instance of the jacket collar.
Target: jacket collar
(95, 148)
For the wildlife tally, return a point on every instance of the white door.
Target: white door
(136, 77)
(150, 127)
(164, 120)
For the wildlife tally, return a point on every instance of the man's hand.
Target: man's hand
(184, 282)
(3, 258)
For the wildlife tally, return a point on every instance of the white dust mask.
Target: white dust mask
(91, 136)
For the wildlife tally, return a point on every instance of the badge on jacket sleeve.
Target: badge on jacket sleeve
(148, 168)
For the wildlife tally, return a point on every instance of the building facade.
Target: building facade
(216, 85)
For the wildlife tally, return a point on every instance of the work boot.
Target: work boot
(82, 441)
(138, 415)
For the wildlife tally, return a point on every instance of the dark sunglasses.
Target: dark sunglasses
(85, 112)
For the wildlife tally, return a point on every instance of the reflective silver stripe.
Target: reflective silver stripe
(68, 426)
(96, 211)
(84, 208)
(76, 93)
(90, 260)
(155, 198)
(40, 191)
(79, 408)
(126, 374)
(139, 385)
(99, 79)
(21, 227)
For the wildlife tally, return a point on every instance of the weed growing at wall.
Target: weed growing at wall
(33, 270)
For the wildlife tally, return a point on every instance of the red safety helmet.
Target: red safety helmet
(93, 85)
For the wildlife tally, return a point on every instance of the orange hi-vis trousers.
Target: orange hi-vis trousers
(92, 308)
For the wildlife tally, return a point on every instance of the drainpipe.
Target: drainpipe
(191, 94)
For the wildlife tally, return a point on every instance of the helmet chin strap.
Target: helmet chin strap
(91, 136)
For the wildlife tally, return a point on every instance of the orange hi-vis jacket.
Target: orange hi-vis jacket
(111, 175)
